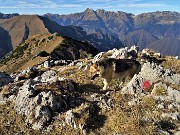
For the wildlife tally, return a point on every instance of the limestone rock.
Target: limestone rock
(70, 119)
(36, 106)
(151, 72)
(48, 76)
(174, 94)
(43, 116)
(47, 64)
(134, 86)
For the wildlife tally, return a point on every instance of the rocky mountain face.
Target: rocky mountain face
(130, 29)
(5, 44)
(140, 38)
(20, 28)
(7, 16)
(116, 24)
(161, 24)
(169, 45)
(52, 97)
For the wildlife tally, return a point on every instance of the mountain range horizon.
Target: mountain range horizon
(90, 9)
(104, 29)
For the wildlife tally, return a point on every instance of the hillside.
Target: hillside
(29, 52)
(170, 45)
(59, 98)
(140, 38)
(162, 24)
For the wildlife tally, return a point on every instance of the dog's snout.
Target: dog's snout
(94, 76)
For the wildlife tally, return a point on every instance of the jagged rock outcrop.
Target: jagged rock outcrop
(36, 107)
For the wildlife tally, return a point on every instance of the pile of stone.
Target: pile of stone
(32, 97)
(122, 53)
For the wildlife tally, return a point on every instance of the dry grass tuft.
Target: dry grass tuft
(171, 63)
(148, 102)
(13, 123)
(159, 91)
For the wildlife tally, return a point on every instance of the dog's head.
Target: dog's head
(95, 70)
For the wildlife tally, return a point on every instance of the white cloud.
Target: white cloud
(37, 4)
(144, 5)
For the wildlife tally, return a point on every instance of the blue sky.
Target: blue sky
(71, 6)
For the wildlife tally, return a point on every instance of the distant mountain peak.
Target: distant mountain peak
(7, 16)
(89, 10)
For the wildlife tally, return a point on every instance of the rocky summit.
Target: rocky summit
(57, 97)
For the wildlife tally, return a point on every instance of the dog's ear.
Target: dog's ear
(101, 64)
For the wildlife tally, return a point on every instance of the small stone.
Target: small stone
(47, 64)
(161, 106)
(49, 76)
(172, 107)
(70, 119)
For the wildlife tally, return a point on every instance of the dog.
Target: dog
(111, 68)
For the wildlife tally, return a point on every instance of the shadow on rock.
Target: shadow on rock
(90, 88)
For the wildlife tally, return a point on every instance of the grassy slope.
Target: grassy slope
(24, 55)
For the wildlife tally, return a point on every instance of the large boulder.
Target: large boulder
(150, 75)
(36, 106)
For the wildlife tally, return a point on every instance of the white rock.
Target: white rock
(29, 102)
(177, 133)
(49, 76)
(173, 106)
(160, 106)
(174, 116)
(98, 57)
(47, 64)
(151, 72)
(133, 87)
(174, 94)
(43, 116)
(133, 102)
(70, 119)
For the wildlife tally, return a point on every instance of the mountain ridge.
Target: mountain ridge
(159, 25)
(22, 27)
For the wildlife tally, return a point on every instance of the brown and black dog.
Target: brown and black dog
(111, 68)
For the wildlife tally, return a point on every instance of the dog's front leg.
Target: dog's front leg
(106, 83)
